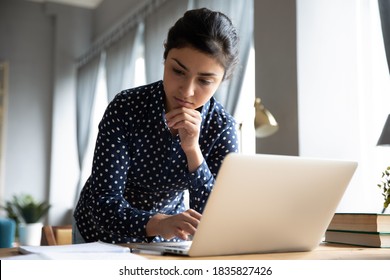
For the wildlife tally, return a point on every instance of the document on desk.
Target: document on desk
(93, 247)
(85, 251)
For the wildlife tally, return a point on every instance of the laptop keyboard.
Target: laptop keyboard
(178, 245)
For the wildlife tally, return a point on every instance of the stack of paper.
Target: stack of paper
(85, 251)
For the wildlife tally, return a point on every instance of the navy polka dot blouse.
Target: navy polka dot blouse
(139, 168)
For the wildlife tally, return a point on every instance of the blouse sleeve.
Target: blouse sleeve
(202, 180)
(111, 162)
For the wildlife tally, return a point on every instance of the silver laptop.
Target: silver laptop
(266, 203)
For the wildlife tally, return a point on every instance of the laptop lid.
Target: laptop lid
(270, 203)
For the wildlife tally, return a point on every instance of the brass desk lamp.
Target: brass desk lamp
(265, 123)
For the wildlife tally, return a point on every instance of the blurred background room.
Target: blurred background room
(319, 66)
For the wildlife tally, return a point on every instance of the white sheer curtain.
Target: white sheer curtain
(86, 87)
(120, 61)
(344, 91)
(157, 25)
(241, 14)
(374, 99)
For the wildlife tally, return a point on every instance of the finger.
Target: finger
(188, 125)
(178, 111)
(192, 219)
(182, 116)
(181, 234)
(190, 128)
(187, 228)
(194, 214)
(183, 120)
(182, 112)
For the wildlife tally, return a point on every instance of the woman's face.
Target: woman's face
(190, 78)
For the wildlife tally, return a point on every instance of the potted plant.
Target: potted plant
(27, 213)
(384, 185)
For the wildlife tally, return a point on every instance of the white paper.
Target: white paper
(85, 251)
(25, 257)
(77, 256)
(91, 256)
(94, 247)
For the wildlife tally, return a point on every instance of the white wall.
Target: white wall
(110, 13)
(343, 86)
(41, 43)
(28, 131)
(276, 72)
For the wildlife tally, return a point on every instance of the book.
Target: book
(360, 222)
(368, 239)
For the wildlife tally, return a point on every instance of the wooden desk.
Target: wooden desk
(325, 251)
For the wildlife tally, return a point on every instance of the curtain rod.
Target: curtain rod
(119, 31)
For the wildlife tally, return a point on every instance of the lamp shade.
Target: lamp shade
(265, 123)
(384, 139)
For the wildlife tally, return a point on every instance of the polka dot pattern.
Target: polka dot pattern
(139, 168)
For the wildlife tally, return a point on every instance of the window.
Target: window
(99, 106)
(344, 90)
(245, 112)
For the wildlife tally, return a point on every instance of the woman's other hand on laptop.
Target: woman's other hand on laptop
(181, 225)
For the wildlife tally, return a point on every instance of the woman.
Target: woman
(158, 140)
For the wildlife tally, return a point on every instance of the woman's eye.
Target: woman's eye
(178, 71)
(205, 82)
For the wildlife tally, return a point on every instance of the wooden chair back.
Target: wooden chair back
(56, 235)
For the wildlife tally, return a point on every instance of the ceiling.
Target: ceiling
(91, 4)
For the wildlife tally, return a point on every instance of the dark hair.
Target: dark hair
(209, 32)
